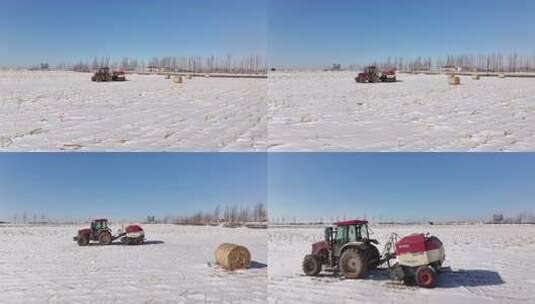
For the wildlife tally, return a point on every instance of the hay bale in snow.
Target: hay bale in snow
(232, 256)
(501, 75)
(168, 76)
(475, 77)
(454, 80)
(177, 79)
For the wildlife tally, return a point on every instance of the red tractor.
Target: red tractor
(101, 233)
(371, 75)
(104, 74)
(347, 248)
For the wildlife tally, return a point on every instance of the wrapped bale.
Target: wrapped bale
(177, 79)
(232, 256)
(454, 80)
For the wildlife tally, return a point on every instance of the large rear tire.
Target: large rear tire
(353, 265)
(104, 238)
(426, 277)
(311, 265)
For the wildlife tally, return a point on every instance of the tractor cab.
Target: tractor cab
(354, 231)
(99, 224)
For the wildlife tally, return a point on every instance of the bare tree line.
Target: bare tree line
(26, 218)
(253, 64)
(234, 214)
(522, 218)
(493, 62)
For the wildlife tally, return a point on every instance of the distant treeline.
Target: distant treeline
(494, 62)
(233, 214)
(253, 64)
(523, 218)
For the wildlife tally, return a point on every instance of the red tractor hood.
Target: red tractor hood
(84, 231)
(319, 246)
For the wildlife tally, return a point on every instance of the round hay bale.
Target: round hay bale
(454, 80)
(475, 77)
(177, 79)
(232, 256)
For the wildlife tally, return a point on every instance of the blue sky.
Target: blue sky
(127, 185)
(316, 33)
(400, 186)
(66, 30)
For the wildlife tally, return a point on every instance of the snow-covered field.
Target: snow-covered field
(66, 111)
(489, 264)
(40, 264)
(330, 111)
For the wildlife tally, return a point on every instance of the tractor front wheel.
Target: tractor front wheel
(104, 238)
(426, 277)
(83, 241)
(353, 264)
(311, 265)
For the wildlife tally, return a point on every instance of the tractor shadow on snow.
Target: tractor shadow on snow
(117, 243)
(257, 265)
(153, 242)
(447, 279)
(452, 279)
(469, 278)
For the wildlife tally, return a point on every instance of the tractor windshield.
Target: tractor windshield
(100, 225)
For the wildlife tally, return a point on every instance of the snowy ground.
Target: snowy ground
(66, 111)
(489, 264)
(44, 265)
(330, 111)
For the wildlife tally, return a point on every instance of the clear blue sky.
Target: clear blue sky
(67, 30)
(127, 185)
(316, 33)
(398, 186)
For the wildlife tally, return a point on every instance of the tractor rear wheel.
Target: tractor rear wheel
(374, 257)
(311, 265)
(104, 238)
(353, 264)
(426, 277)
(83, 241)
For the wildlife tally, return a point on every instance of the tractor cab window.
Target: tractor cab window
(352, 233)
(341, 233)
(99, 225)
